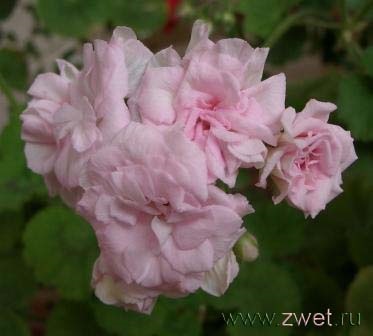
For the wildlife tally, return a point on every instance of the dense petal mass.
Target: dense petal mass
(215, 92)
(307, 165)
(160, 227)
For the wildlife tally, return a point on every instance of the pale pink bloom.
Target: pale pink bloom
(136, 56)
(218, 279)
(113, 291)
(311, 155)
(216, 93)
(74, 113)
(159, 225)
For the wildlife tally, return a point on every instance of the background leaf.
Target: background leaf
(360, 297)
(144, 17)
(262, 16)
(13, 68)
(368, 60)
(17, 182)
(11, 324)
(11, 226)
(71, 17)
(169, 317)
(355, 101)
(279, 229)
(61, 247)
(16, 282)
(72, 319)
(6, 7)
(259, 281)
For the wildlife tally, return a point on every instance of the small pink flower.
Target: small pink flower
(216, 93)
(310, 158)
(159, 225)
(74, 113)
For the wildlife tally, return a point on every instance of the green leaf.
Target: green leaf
(294, 41)
(360, 237)
(359, 176)
(324, 88)
(6, 7)
(362, 7)
(72, 319)
(354, 4)
(17, 182)
(367, 60)
(326, 245)
(16, 282)
(169, 317)
(12, 160)
(323, 5)
(360, 331)
(359, 188)
(315, 280)
(145, 16)
(260, 287)
(279, 229)
(62, 248)
(13, 68)
(360, 297)
(11, 224)
(262, 16)
(11, 324)
(180, 319)
(120, 322)
(355, 101)
(71, 17)
(243, 180)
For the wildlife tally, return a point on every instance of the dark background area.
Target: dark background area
(46, 251)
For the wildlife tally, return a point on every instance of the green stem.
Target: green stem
(282, 28)
(301, 17)
(313, 21)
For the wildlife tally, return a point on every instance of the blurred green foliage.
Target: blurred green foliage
(85, 15)
(47, 252)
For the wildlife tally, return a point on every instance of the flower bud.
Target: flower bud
(246, 248)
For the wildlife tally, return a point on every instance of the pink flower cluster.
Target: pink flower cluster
(136, 141)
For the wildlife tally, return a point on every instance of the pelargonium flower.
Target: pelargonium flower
(144, 176)
(310, 158)
(217, 94)
(161, 228)
(73, 113)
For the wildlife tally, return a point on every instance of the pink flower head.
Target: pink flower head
(75, 112)
(216, 93)
(160, 227)
(311, 155)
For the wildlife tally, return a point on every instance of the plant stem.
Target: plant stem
(313, 21)
(301, 17)
(282, 28)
